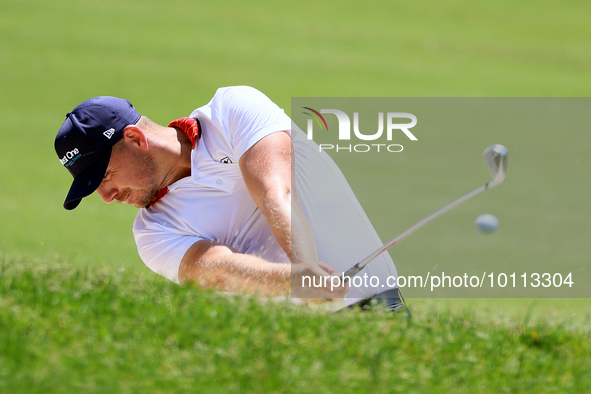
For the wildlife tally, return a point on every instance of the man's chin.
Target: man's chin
(141, 204)
(145, 200)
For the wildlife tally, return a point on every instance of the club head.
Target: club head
(495, 156)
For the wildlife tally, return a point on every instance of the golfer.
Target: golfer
(232, 197)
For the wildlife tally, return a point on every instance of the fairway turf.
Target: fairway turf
(67, 329)
(79, 312)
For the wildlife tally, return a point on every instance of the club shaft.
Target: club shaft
(359, 266)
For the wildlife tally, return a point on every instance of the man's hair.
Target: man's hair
(146, 123)
(143, 123)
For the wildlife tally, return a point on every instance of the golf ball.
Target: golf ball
(487, 223)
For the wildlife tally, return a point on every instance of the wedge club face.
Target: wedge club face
(495, 157)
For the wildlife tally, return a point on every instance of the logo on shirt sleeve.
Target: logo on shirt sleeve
(226, 160)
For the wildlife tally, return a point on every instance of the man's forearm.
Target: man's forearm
(268, 169)
(216, 266)
(290, 227)
(303, 246)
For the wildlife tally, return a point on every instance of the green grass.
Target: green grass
(68, 329)
(169, 58)
(79, 312)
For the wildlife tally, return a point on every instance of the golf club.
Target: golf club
(495, 157)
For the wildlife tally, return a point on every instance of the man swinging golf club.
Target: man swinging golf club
(232, 197)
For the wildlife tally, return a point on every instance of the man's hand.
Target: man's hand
(317, 281)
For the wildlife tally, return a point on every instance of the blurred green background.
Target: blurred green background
(168, 58)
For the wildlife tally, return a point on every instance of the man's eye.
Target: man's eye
(107, 176)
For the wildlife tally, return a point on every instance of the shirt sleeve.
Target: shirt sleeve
(248, 116)
(162, 251)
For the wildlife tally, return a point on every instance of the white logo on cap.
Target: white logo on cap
(109, 133)
(70, 157)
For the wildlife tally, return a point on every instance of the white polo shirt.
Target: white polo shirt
(214, 203)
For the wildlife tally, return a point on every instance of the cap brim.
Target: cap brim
(87, 181)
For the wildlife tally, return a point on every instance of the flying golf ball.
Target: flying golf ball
(487, 223)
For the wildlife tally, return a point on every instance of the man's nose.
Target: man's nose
(106, 192)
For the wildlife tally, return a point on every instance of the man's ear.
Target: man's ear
(135, 136)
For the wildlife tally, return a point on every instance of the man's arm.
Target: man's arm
(218, 266)
(213, 265)
(267, 171)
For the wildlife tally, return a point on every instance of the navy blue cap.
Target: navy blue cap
(83, 143)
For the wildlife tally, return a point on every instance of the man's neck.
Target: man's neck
(177, 141)
(178, 151)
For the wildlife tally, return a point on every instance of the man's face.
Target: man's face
(130, 177)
